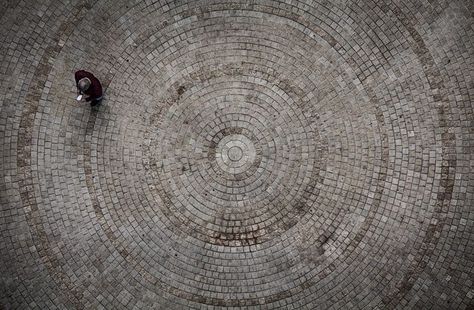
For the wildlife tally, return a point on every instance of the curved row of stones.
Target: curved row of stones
(248, 154)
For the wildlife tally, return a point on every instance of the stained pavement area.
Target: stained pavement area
(247, 155)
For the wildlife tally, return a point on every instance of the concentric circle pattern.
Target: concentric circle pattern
(248, 155)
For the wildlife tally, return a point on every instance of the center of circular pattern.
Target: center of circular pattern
(235, 153)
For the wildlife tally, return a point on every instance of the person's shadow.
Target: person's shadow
(97, 111)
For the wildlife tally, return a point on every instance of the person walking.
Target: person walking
(87, 84)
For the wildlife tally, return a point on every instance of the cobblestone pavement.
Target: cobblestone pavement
(248, 154)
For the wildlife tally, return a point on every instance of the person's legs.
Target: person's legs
(96, 101)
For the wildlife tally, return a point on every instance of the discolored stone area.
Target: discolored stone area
(248, 154)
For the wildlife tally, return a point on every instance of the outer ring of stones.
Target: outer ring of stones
(233, 240)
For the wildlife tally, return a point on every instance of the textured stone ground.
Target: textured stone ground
(248, 155)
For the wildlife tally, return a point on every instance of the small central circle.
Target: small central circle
(235, 153)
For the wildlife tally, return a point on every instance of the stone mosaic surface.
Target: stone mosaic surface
(248, 154)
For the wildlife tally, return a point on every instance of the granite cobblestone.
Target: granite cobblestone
(282, 154)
